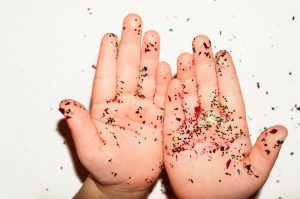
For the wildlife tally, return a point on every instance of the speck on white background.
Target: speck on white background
(47, 49)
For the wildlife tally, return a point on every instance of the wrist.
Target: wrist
(93, 190)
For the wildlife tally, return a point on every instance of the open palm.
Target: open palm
(208, 152)
(120, 140)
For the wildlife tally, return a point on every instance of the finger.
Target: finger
(104, 87)
(206, 75)
(186, 73)
(163, 77)
(231, 99)
(129, 55)
(265, 151)
(174, 116)
(83, 130)
(148, 65)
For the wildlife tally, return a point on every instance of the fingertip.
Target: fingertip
(281, 131)
(65, 102)
(280, 128)
(164, 71)
(184, 60)
(65, 108)
(132, 21)
(132, 17)
(222, 57)
(151, 36)
(201, 42)
(185, 66)
(67, 105)
(109, 37)
(222, 53)
(151, 44)
(199, 39)
(109, 47)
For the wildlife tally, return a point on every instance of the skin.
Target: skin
(207, 149)
(205, 145)
(120, 140)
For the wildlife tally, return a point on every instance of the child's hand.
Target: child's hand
(120, 140)
(208, 153)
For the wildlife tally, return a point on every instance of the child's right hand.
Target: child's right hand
(208, 152)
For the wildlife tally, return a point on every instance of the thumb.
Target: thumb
(266, 149)
(83, 130)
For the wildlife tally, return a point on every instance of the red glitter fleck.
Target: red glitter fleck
(197, 111)
(227, 116)
(228, 163)
(193, 145)
(273, 131)
(228, 143)
(119, 101)
(62, 110)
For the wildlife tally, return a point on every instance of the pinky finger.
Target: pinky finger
(163, 77)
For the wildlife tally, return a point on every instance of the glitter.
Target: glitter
(228, 163)
(239, 172)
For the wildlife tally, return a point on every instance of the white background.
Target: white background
(47, 49)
